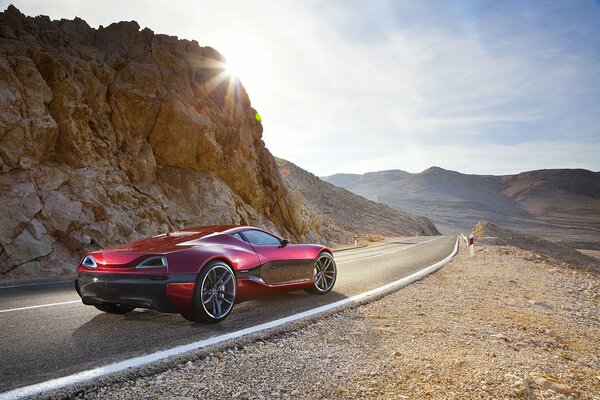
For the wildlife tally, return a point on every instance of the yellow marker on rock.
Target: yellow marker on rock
(258, 117)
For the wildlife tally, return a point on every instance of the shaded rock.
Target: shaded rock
(61, 212)
(36, 229)
(182, 138)
(26, 247)
(30, 204)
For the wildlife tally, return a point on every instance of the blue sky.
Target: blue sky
(356, 86)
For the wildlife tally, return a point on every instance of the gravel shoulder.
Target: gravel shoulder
(506, 323)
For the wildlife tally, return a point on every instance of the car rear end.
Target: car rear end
(134, 278)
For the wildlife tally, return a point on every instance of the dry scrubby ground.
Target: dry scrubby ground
(505, 324)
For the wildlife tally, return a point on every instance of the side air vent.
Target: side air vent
(154, 262)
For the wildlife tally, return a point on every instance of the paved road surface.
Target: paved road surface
(38, 344)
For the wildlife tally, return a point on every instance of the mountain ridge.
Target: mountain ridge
(562, 204)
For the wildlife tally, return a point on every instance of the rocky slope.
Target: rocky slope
(559, 204)
(343, 214)
(112, 134)
(488, 233)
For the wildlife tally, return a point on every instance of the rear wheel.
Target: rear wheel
(114, 308)
(214, 295)
(324, 274)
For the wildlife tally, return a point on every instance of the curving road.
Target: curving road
(63, 336)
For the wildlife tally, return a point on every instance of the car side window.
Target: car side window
(261, 238)
(238, 236)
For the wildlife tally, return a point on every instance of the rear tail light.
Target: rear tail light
(89, 262)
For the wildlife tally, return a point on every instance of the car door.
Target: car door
(281, 263)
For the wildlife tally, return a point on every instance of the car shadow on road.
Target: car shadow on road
(115, 335)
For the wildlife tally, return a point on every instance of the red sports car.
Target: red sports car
(201, 272)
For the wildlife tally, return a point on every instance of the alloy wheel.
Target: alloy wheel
(324, 273)
(218, 291)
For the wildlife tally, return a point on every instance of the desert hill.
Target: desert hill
(112, 134)
(560, 204)
(344, 214)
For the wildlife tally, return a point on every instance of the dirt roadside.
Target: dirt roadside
(504, 324)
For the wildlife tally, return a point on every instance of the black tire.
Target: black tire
(114, 308)
(219, 297)
(327, 270)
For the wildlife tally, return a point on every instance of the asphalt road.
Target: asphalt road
(38, 344)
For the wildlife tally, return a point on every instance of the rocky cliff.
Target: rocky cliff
(110, 134)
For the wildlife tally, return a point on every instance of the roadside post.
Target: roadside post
(471, 245)
(355, 240)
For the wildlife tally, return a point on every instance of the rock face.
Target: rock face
(113, 134)
(341, 215)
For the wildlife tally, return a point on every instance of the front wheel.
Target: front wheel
(324, 274)
(114, 308)
(214, 295)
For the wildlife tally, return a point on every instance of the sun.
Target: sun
(232, 69)
(247, 61)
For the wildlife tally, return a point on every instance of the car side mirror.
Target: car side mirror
(285, 242)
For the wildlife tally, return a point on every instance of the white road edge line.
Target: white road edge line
(83, 376)
(339, 263)
(32, 284)
(40, 305)
(390, 252)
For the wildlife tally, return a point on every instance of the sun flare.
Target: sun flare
(231, 69)
(247, 61)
